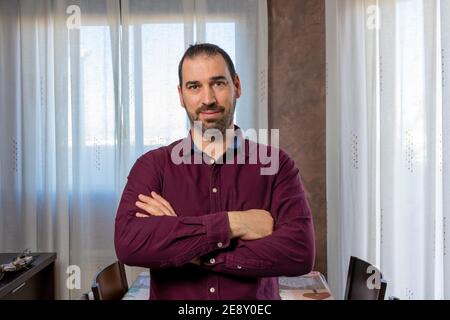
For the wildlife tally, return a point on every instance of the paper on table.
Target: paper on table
(311, 286)
(140, 289)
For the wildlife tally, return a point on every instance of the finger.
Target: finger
(144, 198)
(159, 204)
(154, 211)
(163, 201)
(154, 203)
(141, 215)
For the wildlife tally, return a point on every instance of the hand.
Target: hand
(154, 205)
(251, 224)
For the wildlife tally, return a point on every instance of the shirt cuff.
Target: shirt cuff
(227, 261)
(218, 229)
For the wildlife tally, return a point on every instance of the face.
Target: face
(208, 92)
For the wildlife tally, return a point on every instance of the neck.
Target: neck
(213, 145)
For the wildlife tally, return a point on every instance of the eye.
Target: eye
(220, 83)
(193, 87)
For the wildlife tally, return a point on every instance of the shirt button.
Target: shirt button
(212, 260)
(220, 244)
(214, 190)
(212, 289)
(211, 161)
(239, 267)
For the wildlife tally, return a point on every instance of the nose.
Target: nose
(209, 96)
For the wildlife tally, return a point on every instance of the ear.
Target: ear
(180, 96)
(237, 86)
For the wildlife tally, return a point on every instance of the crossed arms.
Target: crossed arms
(252, 243)
(246, 225)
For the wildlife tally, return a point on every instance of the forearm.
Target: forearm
(159, 242)
(237, 228)
(178, 243)
(289, 251)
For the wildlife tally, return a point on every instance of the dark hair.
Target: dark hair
(209, 50)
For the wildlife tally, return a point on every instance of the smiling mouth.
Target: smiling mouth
(210, 113)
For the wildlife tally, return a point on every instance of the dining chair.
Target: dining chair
(358, 282)
(110, 283)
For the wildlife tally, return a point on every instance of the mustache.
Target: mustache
(211, 107)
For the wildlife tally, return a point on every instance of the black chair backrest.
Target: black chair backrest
(110, 283)
(359, 286)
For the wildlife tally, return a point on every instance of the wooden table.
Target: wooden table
(311, 286)
(33, 283)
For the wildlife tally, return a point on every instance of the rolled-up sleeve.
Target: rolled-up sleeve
(163, 241)
(289, 250)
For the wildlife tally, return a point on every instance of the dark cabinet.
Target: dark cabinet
(35, 283)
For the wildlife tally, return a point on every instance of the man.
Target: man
(218, 229)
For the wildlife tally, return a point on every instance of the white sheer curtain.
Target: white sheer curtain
(79, 105)
(388, 138)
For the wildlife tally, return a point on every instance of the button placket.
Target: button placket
(215, 202)
(213, 287)
(214, 189)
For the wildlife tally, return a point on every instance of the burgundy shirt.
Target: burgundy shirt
(201, 195)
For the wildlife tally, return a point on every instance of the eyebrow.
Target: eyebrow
(212, 79)
(218, 78)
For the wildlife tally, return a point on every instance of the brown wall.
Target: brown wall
(297, 98)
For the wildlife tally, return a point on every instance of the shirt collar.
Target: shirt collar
(238, 144)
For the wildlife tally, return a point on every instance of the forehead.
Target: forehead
(203, 67)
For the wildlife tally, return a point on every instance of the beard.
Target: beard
(222, 123)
